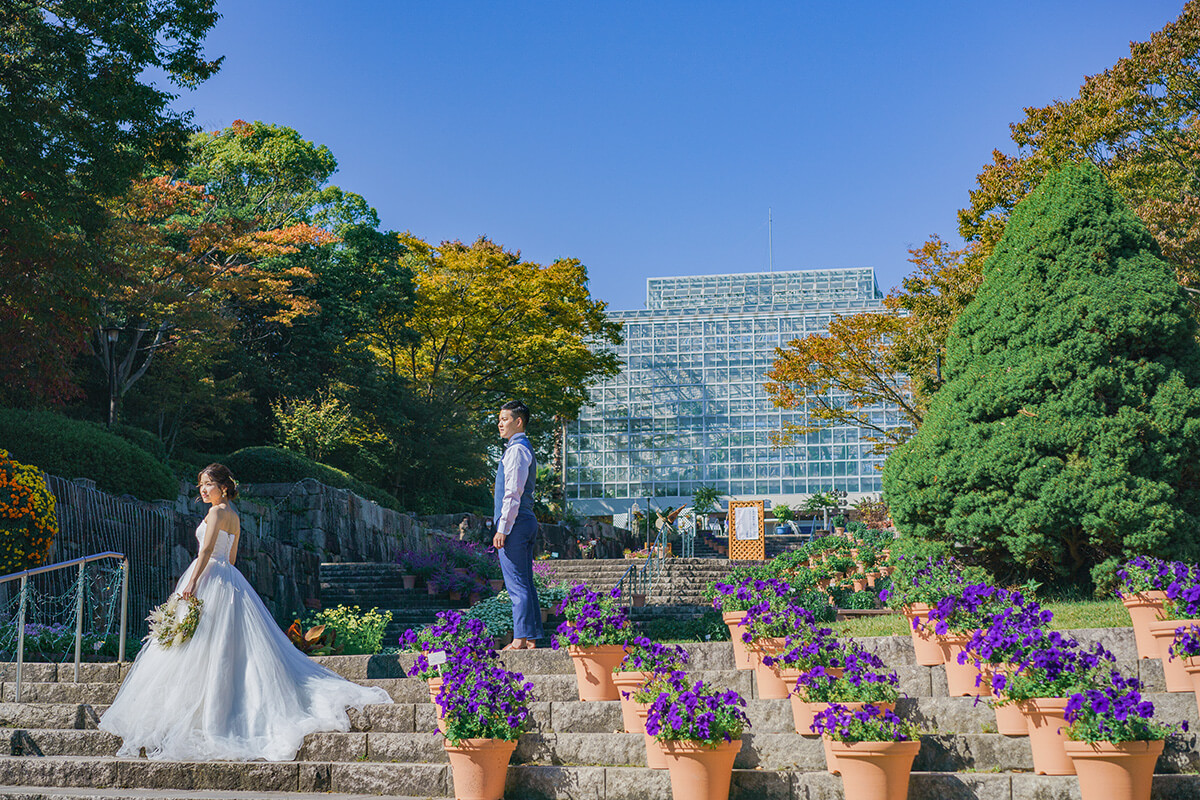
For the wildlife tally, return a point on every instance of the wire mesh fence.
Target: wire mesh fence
(92, 522)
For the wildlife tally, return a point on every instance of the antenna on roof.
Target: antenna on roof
(770, 242)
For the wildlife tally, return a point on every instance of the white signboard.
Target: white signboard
(745, 522)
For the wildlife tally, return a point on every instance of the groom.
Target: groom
(516, 525)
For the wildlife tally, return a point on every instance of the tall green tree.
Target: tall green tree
(1067, 434)
(79, 120)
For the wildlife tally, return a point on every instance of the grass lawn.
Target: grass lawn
(1075, 614)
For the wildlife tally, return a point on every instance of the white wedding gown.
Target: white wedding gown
(238, 690)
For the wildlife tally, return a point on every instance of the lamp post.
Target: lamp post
(647, 527)
(634, 510)
(111, 334)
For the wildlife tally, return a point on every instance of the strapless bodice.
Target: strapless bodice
(224, 545)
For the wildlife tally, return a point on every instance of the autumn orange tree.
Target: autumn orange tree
(187, 264)
(80, 119)
(1138, 122)
(841, 377)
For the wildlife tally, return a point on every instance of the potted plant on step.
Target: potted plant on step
(643, 660)
(1002, 644)
(918, 584)
(485, 708)
(455, 637)
(1113, 740)
(875, 750)
(594, 635)
(1053, 669)
(1141, 585)
(699, 729)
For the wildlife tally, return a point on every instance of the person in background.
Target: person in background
(515, 524)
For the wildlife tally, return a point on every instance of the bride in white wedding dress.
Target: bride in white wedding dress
(239, 689)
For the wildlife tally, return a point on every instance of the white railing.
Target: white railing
(82, 563)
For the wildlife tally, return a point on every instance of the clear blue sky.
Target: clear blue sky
(650, 138)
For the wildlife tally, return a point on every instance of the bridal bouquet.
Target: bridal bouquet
(174, 622)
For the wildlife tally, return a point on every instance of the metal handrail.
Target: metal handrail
(656, 558)
(81, 562)
(631, 573)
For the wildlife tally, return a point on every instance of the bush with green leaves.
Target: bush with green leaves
(358, 633)
(1067, 434)
(71, 448)
(275, 465)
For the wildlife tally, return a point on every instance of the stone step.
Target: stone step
(51, 793)
(943, 752)
(943, 716)
(896, 651)
(524, 781)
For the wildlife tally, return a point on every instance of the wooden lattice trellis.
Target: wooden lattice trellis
(747, 549)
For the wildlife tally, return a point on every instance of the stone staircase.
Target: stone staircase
(682, 581)
(574, 752)
(370, 585)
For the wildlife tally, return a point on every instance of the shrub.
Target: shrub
(275, 465)
(1067, 433)
(358, 633)
(144, 439)
(27, 517)
(72, 448)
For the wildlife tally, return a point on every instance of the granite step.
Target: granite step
(941, 715)
(28, 793)
(943, 752)
(528, 782)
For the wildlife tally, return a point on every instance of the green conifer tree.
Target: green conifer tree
(1067, 435)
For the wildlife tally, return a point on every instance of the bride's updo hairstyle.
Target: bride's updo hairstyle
(222, 477)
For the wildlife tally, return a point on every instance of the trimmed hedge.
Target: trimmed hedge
(71, 448)
(276, 465)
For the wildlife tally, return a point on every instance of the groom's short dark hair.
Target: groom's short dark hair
(517, 409)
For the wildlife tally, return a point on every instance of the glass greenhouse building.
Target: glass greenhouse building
(689, 408)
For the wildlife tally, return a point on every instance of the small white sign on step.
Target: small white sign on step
(437, 658)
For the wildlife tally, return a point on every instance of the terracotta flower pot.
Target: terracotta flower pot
(872, 577)
(432, 587)
(741, 657)
(410, 581)
(1010, 721)
(1192, 667)
(1144, 608)
(699, 771)
(497, 584)
(435, 686)
(832, 763)
(627, 683)
(593, 670)
(1163, 631)
(771, 685)
(1046, 725)
(859, 584)
(803, 713)
(1114, 770)
(479, 767)
(929, 654)
(654, 753)
(876, 770)
(961, 678)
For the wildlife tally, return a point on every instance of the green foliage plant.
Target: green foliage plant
(1067, 434)
(358, 633)
(313, 426)
(72, 448)
(496, 612)
(705, 499)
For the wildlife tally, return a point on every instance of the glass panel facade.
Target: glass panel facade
(689, 408)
